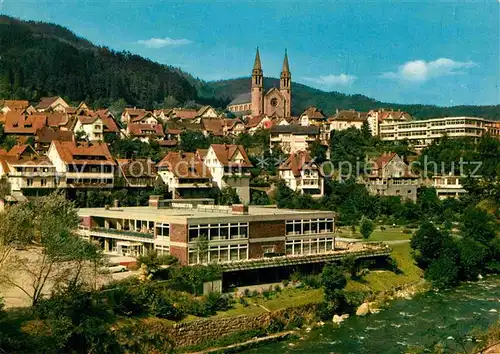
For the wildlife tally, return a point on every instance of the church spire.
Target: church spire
(286, 68)
(257, 65)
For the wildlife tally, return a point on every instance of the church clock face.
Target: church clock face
(274, 102)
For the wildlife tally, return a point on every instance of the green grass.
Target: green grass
(389, 234)
(384, 280)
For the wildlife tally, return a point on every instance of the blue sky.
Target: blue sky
(432, 52)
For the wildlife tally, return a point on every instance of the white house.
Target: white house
(302, 175)
(230, 167)
(293, 138)
(91, 128)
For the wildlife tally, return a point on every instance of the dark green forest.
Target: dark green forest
(42, 59)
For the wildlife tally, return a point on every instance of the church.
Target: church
(273, 103)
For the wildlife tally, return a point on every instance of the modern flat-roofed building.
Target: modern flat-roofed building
(448, 186)
(421, 133)
(196, 232)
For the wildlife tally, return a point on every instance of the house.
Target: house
(390, 176)
(84, 165)
(230, 167)
(185, 114)
(293, 138)
(54, 104)
(135, 173)
(13, 105)
(376, 117)
(18, 123)
(29, 174)
(89, 127)
(45, 135)
(259, 122)
(109, 122)
(213, 126)
(138, 116)
(234, 126)
(312, 116)
(145, 132)
(448, 186)
(301, 174)
(207, 112)
(185, 175)
(346, 119)
(162, 114)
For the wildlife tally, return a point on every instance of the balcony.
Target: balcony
(121, 234)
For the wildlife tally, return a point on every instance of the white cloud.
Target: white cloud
(421, 70)
(329, 81)
(163, 42)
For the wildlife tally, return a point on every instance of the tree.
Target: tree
(428, 243)
(477, 225)
(334, 281)
(117, 107)
(169, 102)
(318, 152)
(191, 140)
(57, 255)
(443, 272)
(366, 227)
(228, 196)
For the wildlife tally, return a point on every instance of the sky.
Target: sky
(426, 51)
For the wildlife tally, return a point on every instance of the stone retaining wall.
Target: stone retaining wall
(204, 330)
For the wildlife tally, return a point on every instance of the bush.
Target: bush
(247, 292)
(277, 288)
(243, 301)
(123, 302)
(406, 231)
(285, 283)
(296, 322)
(275, 325)
(215, 301)
(312, 281)
(163, 308)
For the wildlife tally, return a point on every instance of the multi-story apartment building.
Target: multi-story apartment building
(292, 138)
(391, 176)
(230, 167)
(302, 175)
(185, 175)
(29, 174)
(346, 119)
(448, 186)
(375, 117)
(84, 165)
(227, 233)
(421, 133)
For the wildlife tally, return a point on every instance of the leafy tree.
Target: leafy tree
(59, 255)
(443, 272)
(477, 225)
(191, 140)
(474, 258)
(228, 196)
(428, 243)
(170, 102)
(117, 107)
(366, 227)
(318, 152)
(334, 281)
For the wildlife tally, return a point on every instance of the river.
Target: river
(445, 317)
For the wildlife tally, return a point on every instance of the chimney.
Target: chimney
(154, 201)
(239, 209)
(115, 203)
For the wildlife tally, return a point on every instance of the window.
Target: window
(162, 230)
(309, 226)
(43, 182)
(216, 232)
(29, 182)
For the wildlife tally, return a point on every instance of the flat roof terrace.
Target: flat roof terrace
(204, 214)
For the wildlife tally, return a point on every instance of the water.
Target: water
(445, 317)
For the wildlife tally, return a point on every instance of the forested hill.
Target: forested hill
(42, 59)
(304, 96)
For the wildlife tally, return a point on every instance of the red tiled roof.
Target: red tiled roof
(349, 115)
(168, 143)
(56, 119)
(184, 165)
(185, 113)
(226, 152)
(213, 125)
(87, 119)
(255, 121)
(18, 123)
(140, 129)
(383, 160)
(314, 112)
(47, 135)
(95, 153)
(297, 162)
(45, 102)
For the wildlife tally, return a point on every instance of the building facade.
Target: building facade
(301, 174)
(228, 233)
(293, 138)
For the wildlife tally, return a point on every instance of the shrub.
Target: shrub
(163, 308)
(123, 302)
(243, 301)
(366, 227)
(277, 288)
(382, 228)
(285, 283)
(312, 281)
(296, 322)
(406, 231)
(275, 325)
(215, 301)
(247, 292)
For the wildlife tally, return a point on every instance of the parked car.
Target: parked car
(113, 269)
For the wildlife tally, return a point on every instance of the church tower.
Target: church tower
(286, 86)
(257, 87)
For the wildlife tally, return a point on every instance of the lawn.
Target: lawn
(389, 234)
(383, 280)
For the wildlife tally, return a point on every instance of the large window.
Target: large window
(162, 230)
(223, 253)
(310, 246)
(309, 226)
(216, 232)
